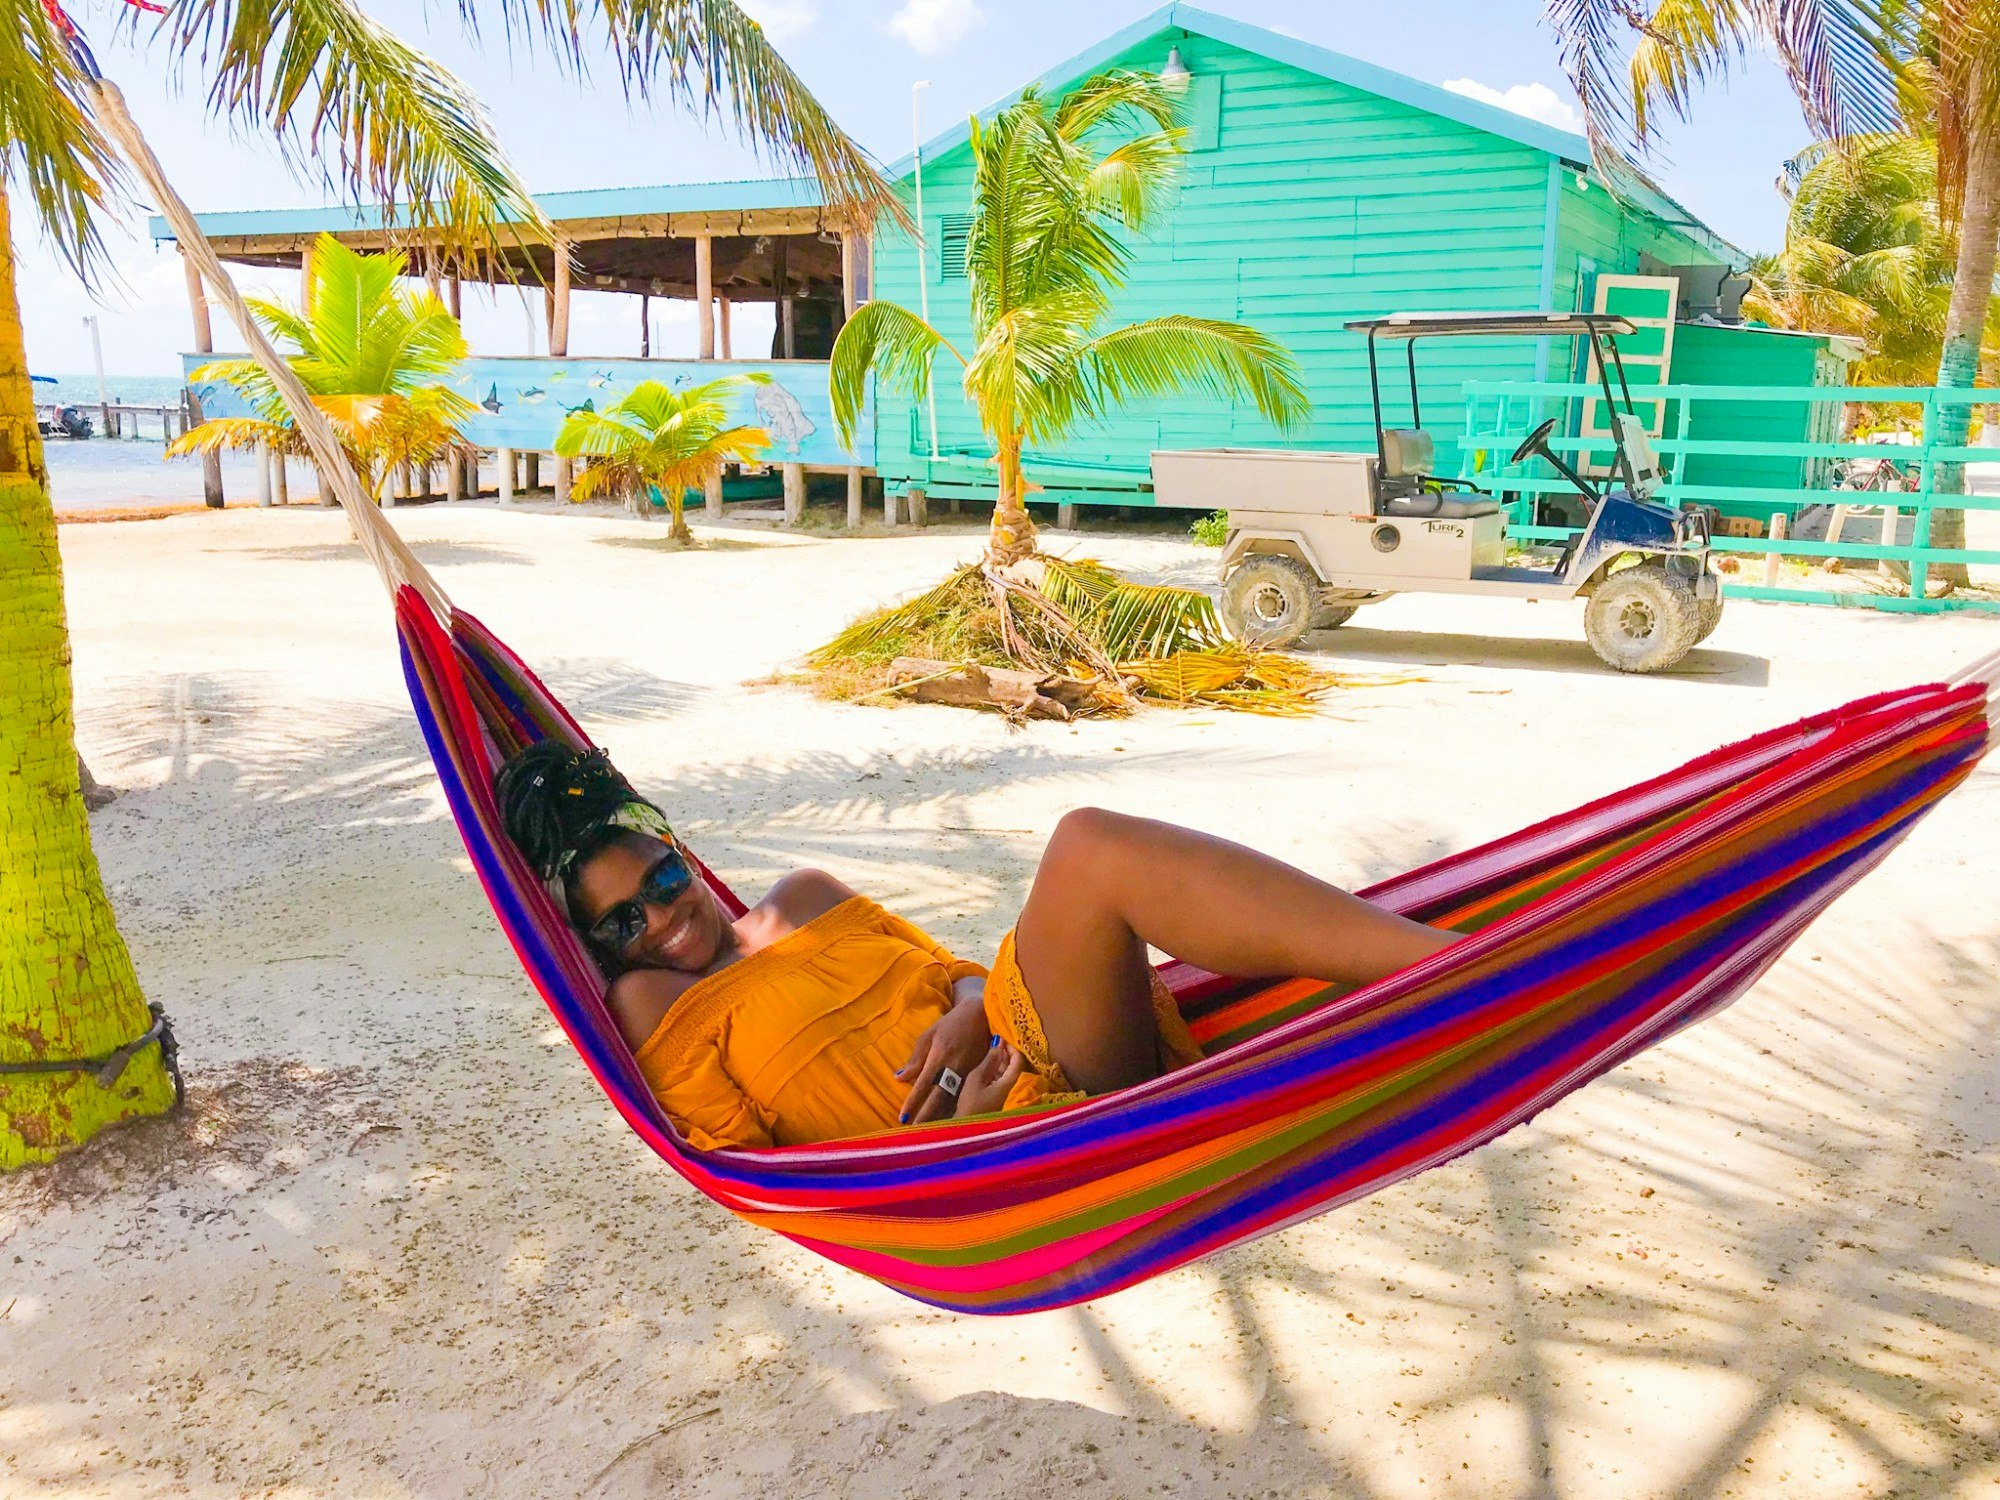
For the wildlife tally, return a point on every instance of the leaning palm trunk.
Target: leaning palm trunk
(1965, 329)
(67, 987)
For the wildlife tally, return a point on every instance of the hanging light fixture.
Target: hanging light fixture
(1176, 71)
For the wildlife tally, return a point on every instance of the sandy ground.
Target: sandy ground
(401, 1247)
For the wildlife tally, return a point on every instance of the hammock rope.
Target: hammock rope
(1590, 937)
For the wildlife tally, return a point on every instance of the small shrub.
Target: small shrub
(1211, 530)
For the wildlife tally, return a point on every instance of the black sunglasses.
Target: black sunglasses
(662, 885)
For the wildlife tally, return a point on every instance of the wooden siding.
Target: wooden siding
(1594, 233)
(1317, 203)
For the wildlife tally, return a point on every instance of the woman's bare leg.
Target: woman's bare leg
(1109, 885)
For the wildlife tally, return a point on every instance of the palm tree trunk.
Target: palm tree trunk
(67, 988)
(1965, 325)
(1012, 535)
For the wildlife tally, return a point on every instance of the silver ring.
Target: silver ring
(950, 1081)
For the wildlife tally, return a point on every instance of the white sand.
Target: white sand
(401, 1247)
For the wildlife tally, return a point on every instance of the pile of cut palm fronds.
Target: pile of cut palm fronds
(1072, 618)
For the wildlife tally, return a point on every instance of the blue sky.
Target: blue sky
(861, 57)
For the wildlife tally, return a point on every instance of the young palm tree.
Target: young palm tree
(369, 350)
(1859, 69)
(1058, 187)
(661, 441)
(1044, 256)
(391, 126)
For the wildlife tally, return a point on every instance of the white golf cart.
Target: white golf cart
(1313, 535)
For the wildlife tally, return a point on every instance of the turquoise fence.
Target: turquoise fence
(1500, 413)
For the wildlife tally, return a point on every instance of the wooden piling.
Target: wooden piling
(795, 493)
(853, 498)
(506, 456)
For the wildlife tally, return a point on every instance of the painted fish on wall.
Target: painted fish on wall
(780, 414)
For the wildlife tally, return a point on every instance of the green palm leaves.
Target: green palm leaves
(1059, 189)
(661, 439)
(1868, 253)
(370, 353)
(385, 122)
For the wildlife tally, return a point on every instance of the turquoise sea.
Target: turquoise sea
(102, 471)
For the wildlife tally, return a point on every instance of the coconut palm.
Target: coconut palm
(388, 125)
(1915, 66)
(661, 441)
(1868, 254)
(371, 351)
(1058, 188)
(1043, 257)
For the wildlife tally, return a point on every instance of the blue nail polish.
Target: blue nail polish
(903, 1118)
(992, 1044)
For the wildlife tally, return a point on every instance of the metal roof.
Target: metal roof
(1423, 325)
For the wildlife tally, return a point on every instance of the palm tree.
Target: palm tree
(1859, 70)
(369, 350)
(1043, 258)
(390, 126)
(1868, 254)
(661, 441)
(1058, 188)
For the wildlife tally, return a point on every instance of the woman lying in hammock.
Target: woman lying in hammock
(817, 1015)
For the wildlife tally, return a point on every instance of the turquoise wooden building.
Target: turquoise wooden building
(1318, 188)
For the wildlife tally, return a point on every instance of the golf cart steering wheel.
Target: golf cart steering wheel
(1534, 442)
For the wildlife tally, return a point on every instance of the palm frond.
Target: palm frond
(388, 123)
(231, 434)
(49, 144)
(711, 57)
(1162, 356)
(890, 342)
(1154, 620)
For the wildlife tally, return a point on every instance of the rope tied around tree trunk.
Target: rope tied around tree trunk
(111, 1067)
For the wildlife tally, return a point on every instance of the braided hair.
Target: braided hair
(562, 805)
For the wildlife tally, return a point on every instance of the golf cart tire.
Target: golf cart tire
(1708, 617)
(1642, 619)
(1270, 600)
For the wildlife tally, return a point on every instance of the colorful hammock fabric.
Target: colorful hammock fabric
(1592, 936)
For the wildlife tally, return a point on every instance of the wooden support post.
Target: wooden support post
(920, 507)
(1772, 559)
(506, 457)
(204, 343)
(788, 319)
(307, 280)
(1065, 516)
(711, 498)
(454, 477)
(281, 482)
(853, 498)
(264, 475)
(795, 493)
(559, 344)
(704, 294)
(891, 503)
(454, 297)
(531, 464)
(645, 326)
(722, 324)
(850, 255)
(424, 481)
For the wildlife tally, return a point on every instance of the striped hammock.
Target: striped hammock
(1592, 937)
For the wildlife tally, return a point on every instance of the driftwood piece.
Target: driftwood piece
(1019, 695)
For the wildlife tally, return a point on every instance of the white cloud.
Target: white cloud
(1535, 100)
(934, 26)
(782, 19)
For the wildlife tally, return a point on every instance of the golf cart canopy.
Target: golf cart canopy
(1417, 325)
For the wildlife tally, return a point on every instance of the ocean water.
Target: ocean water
(101, 471)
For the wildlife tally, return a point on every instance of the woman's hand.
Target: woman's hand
(988, 1085)
(958, 1040)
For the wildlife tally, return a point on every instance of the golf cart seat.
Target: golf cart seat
(1407, 456)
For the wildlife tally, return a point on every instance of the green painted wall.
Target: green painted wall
(1750, 356)
(1596, 233)
(1306, 203)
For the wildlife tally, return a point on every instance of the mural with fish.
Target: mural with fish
(521, 402)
